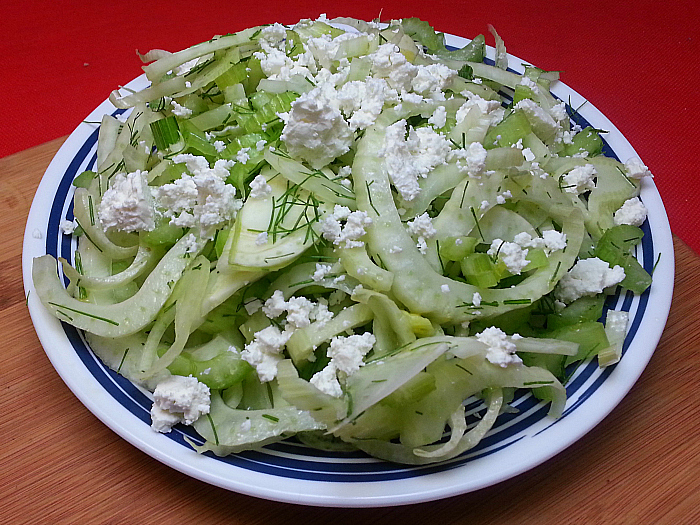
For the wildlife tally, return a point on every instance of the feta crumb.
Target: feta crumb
(445, 288)
(632, 212)
(219, 146)
(348, 234)
(202, 199)
(636, 169)
(261, 239)
(587, 277)
(316, 130)
(327, 381)
(346, 353)
(243, 155)
(471, 160)
(178, 399)
(259, 145)
(476, 299)
(321, 271)
(259, 188)
(180, 111)
(580, 179)
(408, 158)
(67, 227)
(422, 228)
(127, 205)
(36, 234)
(275, 305)
(500, 351)
(395, 249)
(511, 253)
(439, 117)
(265, 351)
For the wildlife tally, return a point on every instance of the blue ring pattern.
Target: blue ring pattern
(296, 461)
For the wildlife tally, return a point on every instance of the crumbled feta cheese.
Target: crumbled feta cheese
(395, 249)
(632, 212)
(243, 155)
(580, 179)
(316, 130)
(636, 169)
(432, 79)
(439, 118)
(471, 160)
(202, 199)
(346, 353)
(558, 112)
(327, 381)
(275, 305)
(178, 399)
(348, 234)
(259, 145)
(259, 188)
(480, 105)
(408, 158)
(389, 63)
(219, 146)
(476, 299)
(501, 350)
(36, 234)
(553, 240)
(422, 228)
(180, 111)
(511, 253)
(501, 197)
(529, 83)
(445, 288)
(321, 271)
(300, 311)
(67, 227)
(326, 48)
(261, 239)
(550, 241)
(273, 34)
(587, 277)
(265, 351)
(363, 101)
(127, 205)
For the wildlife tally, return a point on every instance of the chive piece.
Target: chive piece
(213, 429)
(86, 314)
(122, 361)
(271, 418)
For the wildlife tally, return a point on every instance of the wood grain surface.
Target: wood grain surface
(59, 464)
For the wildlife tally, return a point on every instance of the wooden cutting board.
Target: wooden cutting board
(59, 464)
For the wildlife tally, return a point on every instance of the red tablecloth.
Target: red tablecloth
(636, 62)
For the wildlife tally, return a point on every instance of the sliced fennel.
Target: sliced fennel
(326, 276)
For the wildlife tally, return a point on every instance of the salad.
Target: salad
(341, 231)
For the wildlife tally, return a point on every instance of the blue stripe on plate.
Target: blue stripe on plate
(295, 460)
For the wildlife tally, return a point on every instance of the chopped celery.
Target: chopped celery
(346, 302)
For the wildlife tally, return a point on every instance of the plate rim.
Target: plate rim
(425, 488)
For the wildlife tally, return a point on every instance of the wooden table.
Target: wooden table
(60, 464)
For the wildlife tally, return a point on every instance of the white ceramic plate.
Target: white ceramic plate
(291, 472)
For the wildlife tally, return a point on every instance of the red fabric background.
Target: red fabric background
(637, 62)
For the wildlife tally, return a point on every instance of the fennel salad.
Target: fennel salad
(341, 231)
